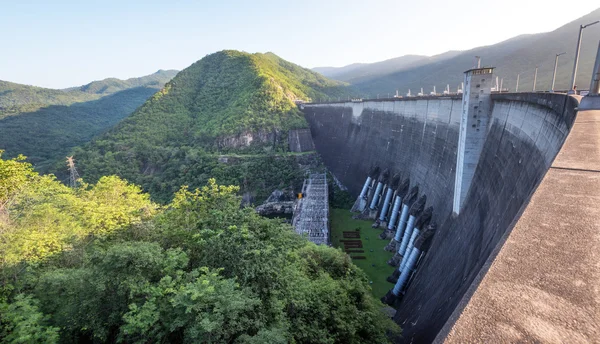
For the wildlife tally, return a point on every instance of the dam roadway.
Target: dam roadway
(542, 283)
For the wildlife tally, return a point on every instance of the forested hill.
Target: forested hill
(227, 102)
(45, 124)
(112, 85)
(17, 98)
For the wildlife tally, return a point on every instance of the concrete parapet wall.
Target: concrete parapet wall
(418, 138)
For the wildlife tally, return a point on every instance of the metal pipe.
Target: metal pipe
(401, 223)
(407, 234)
(410, 247)
(395, 209)
(386, 204)
(363, 192)
(535, 78)
(421, 244)
(595, 84)
(517, 89)
(404, 275)
(375, 199)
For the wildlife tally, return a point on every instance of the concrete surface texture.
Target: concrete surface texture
(418, 139)
(544, 285)
(299, 140)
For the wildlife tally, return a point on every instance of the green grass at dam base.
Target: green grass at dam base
(375, 265)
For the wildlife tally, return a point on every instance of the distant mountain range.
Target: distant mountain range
(518, 55)
(361, 72)
(45, 124)
(112, 85)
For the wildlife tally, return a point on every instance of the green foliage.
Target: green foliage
(102, 264)
(14, 174)
(113, 85)
(22, 322)
(45, 217)
(338, 198)
(45, 124)
(211, 108)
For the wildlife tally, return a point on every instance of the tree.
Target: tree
(22, 322)
(101, 263)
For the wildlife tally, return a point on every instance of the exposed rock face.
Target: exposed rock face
(276, 208)
(281, 196)
(247, 138)
(279, 203)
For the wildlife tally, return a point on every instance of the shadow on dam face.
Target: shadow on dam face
(418, 138)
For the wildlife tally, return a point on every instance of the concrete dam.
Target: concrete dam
(477, 157)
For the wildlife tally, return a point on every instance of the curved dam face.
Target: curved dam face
(418, 138)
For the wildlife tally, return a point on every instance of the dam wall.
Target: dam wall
(418, 138)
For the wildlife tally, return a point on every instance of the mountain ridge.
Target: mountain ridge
(45, 124)
(112, 85)
(516, 55)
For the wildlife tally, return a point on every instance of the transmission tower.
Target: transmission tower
(74, 176)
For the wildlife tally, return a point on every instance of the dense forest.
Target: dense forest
(103, 263)
(228, 103)
(45, 124)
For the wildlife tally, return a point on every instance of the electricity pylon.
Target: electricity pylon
(74, 176)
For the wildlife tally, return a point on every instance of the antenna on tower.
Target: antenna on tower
(73, 175)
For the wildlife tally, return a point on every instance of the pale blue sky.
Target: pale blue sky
(67, 43)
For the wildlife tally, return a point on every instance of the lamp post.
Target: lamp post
(581, 27)
(595, 84)
(535, 78)
(555, 66)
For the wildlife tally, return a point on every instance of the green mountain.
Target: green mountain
(45, 124)
(229, 102)
(518, 55)
(112, 85)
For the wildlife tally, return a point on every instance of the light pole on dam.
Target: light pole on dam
(574, 77)
(555, 67)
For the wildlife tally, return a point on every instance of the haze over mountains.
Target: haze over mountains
(518, 55)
